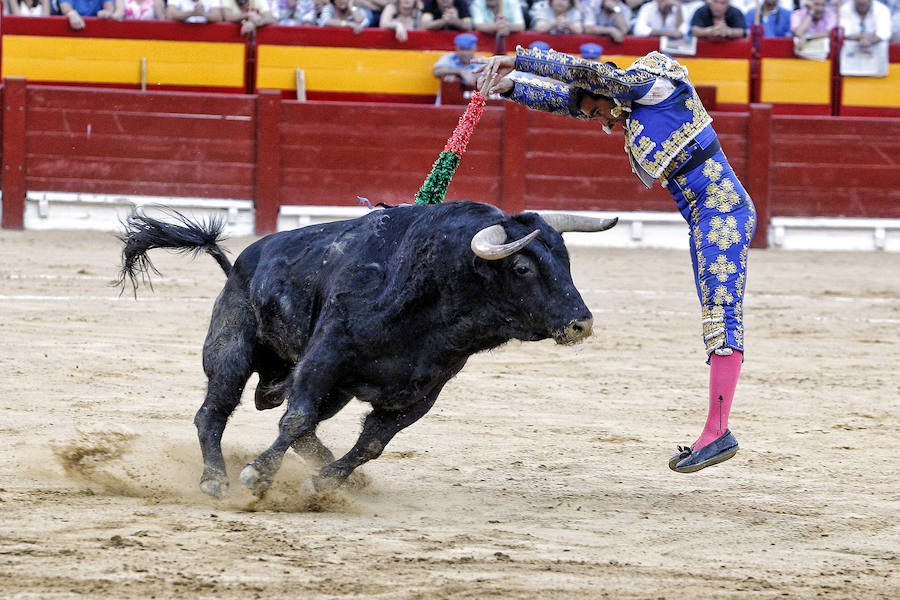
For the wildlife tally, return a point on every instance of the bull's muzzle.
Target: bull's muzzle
(575, 331)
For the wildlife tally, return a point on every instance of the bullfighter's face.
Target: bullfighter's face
(600, 109)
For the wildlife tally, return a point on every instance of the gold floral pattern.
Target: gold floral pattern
(722, 268)
(722, 196)
(723, 232)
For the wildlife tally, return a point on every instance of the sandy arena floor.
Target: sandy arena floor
(540, 473)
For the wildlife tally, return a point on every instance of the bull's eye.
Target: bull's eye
(521, 267)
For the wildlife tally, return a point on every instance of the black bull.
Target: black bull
(385, 308)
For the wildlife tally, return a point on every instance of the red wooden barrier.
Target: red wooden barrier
(14, 154)
(326, 153)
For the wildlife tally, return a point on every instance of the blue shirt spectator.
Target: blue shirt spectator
(775, 19)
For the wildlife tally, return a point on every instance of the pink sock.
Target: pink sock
(723, 377)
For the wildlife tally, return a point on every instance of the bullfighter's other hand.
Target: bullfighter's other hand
(501, 65)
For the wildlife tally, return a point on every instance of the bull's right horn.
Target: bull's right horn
(488, 243)
(563, 222)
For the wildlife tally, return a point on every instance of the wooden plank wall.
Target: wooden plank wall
(333, 152)
(846, 167)
(128, 142)
(572, 164)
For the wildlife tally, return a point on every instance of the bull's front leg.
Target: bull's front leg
(298, 422)
(378, 429)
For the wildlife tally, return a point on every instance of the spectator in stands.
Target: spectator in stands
(29, 8)
(297, 12)
(76, 10)
(811, 22)
(867, 22)
(556, 16)
(402, 16)
(660, 18)
(497, 17)
(775, 19)
(718, 20)
(689, 8)
(140, 10)
(895, 24)
(611, 18)
(442, 15)
(251, 14)
(373, 9)
(343, 13)
(194, 11)
(458, 64)
(591, 51)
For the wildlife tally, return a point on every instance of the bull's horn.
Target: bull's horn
(488, 243)
(563, 222)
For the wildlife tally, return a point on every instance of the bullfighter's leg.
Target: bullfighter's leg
(227, 362)
(378, 429)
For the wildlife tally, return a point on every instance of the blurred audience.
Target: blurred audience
(251, 14)
(343, 13)
(458, 65)
(142, 10)
(497, 17)
(297, 12)
(775, 19)
(867, 22)
(611, 18)
(194, 11)
(76, 10)
(660, 18)
(29, 8)
(718, 20)
(591, 51)
(556, 16)
(811, 22)
(442, 15)
(402, 16)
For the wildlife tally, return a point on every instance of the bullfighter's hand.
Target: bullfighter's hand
(501, 65)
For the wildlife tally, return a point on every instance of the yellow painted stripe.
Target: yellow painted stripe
(873, 91)
(795, 81)
(119, 61)
(348, 69)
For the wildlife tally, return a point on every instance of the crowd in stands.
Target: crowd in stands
(868, 21)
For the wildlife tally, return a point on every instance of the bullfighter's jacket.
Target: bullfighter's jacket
(659, 134)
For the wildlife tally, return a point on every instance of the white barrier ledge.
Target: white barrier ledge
(105, 212)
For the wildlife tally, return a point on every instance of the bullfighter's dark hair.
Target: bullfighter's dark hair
(577, 95)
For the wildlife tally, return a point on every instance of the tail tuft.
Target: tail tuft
(143, 233)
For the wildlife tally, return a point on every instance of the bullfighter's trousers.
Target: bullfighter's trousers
(722, 220)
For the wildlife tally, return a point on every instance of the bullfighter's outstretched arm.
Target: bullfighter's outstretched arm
(599, 78)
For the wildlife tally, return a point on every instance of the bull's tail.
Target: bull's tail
(143, 234)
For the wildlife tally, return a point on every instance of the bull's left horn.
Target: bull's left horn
(488, 243)
(563, 222)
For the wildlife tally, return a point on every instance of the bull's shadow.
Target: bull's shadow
(385, 308)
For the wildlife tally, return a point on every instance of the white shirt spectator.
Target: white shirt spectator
(188, 5)
(877, 21)
(649, 18)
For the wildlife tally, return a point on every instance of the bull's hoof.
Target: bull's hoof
(214, 487)
(254, 480)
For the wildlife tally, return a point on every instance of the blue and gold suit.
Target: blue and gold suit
(661, 138)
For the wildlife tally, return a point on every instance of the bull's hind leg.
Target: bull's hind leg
(378, 429)
(227, 360)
